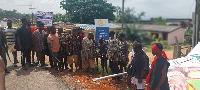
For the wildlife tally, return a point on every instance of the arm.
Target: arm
(164, 70)
(145, 66)
(127, 49)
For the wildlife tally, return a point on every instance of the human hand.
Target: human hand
(158, 88)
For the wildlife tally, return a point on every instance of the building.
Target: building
(165, 32)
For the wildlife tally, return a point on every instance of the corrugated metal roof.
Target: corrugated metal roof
(92, 27)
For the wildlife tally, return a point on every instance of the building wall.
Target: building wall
(180, 33)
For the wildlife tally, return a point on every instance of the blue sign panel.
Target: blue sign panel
(102, 32)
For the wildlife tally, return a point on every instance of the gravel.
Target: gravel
(34, 78)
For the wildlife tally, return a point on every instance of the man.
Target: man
(133, 53)
(10, 36)
(38, 38)
(33, 52)
(140, 65)
(125, 52)
(3, 47)
(74, 43)
(53, 45)
(47, 52)
(113, 55)
(24, 42)
(157, 78)
(103, 51)
(81, 36)
(87, 52)
(2, 75)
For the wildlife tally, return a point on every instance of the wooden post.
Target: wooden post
(177, 50)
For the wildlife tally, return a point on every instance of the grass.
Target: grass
(147, 48)
(101, 69)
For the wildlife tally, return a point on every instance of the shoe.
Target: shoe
(14, 65)
(30, 65)
(6, 71)
(44, 68)
(24, 68)
(34, 64)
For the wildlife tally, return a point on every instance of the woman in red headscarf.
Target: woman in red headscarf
(157, 77)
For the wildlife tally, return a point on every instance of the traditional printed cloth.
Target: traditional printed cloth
(38, 40)
(68, 43)
(86, 48)
(75, 45)
(124, 53)
(113, 47)
(53, 39)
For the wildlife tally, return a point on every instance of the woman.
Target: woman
(157, 78)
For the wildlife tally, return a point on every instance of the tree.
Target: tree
(160, 21)
(134, 33)
(59, 17)
(85, 11)
(129, 15)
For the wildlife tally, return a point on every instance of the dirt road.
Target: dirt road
(35, 78)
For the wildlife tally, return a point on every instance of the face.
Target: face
(28, 23)
(25, 22)
(135, 49)
(154, 53)
(100, 40)
(41, 27)
(9, 24)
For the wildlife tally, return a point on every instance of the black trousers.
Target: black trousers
(114, 68)
(26, 55)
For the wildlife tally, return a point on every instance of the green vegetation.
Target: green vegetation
(60, 17)
(129, 15)
(87, 10)
(188, 38)
(160, 21)
(133, 33)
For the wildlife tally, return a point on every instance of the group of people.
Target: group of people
(74, 48)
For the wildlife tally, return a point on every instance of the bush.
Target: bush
(164, 42)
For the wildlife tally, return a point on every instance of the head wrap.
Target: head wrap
(155, 48)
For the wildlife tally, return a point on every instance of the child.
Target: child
(102, 52)
(54, 45)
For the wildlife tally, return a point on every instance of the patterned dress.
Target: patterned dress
(38, 40)
(86, 49)
(113, 47)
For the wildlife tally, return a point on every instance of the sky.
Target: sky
(152, 8)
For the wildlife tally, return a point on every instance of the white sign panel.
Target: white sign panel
(101, 23)
(45, 17)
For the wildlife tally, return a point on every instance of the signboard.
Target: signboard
(101, 29)
(45, 17)
(184, 73)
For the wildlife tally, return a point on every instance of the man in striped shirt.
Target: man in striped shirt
(10, 36)
(54, 45)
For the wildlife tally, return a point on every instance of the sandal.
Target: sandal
(44, 68)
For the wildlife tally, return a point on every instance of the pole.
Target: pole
(110, 76)
(194, 29)
(197, 29)
(32, 13)
(122, 16)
